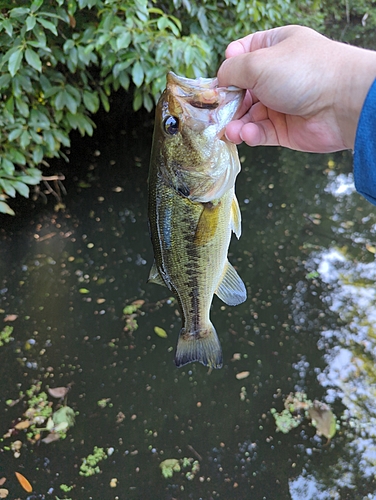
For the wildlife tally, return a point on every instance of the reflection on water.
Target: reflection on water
(307, 256)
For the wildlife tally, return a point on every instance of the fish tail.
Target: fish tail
(202, 346)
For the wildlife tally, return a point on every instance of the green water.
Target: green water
(307, 256)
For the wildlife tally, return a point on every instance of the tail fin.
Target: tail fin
(202, 346)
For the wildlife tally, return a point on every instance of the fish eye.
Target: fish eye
(171, 125)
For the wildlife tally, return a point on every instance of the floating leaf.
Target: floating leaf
(2, 480)
(169, 466)
(132, 308)
(24, 482)
(160, 332)
(84, 290)
(57, 392)
(11, 317)
(4, 492)
(242, 375)
(24, 424)
(64, 415)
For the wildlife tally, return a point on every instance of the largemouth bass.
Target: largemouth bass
(193, 209)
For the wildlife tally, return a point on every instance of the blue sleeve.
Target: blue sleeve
(365, 148)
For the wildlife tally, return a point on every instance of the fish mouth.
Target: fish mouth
(202, 93)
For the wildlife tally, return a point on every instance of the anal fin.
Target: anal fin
(231, 289)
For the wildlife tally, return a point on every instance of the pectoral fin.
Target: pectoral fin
(155, 277)
(207, 224)
(231, 289)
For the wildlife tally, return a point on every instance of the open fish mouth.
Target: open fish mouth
(202, 93)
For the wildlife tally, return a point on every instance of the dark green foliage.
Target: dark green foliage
(60, 61)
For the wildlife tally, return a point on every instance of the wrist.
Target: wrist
(357, 73)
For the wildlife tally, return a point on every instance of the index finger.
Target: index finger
(259, 40)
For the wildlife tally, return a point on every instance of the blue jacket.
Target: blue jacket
(365, 148)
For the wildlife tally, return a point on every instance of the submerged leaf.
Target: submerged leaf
(53, 436)
(323, 418)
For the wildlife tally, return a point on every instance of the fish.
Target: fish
(193, 209)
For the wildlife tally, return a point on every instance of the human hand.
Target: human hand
(305, 91)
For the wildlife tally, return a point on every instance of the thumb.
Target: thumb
(242, 70)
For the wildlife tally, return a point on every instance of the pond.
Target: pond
(91, 403)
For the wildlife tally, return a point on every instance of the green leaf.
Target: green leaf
(5, 208)
(137, 101)
(38, 155)
(8, 26)
(148, 102)
(91, 101)
(25, 139)
(15, 134)
(30, 179)
(15, 60)
(5, 80)
(137, 73)
(104, 100)
(33, 59)
(22, 107)
(124, 80)
(71, 103)
(60, 100)
(8, 187)
(19, 12)
(16, 156)
(7, 166)
(22, 188)
(123, 41)
(36, 5)
(48, 25)
(30, 23)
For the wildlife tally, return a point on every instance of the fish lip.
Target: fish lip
(202, 93)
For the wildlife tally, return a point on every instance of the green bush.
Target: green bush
(60, 61)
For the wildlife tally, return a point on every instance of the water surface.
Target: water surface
(307, 256)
